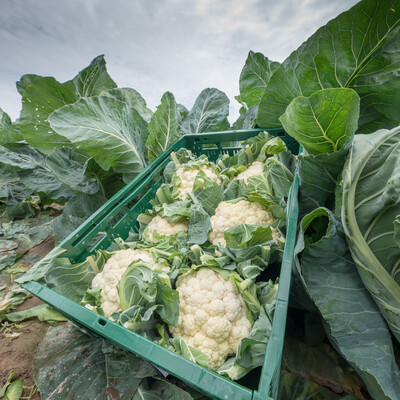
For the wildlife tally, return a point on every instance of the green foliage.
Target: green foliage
(114, 124)
(163, 126)
(324, 121)
(330, 277)
(370, 207)
(254, 78)
(356, 50)
(209, 113)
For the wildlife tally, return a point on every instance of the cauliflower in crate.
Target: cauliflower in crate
(212, 315)
(230, 214)
(254, 169)
(187, 168)
(163, 227)
(112, 271)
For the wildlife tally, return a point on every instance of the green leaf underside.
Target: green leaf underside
(132, 98)
(163, 126)
(93, 79)
(209, 113)
(57, 175)
(358, 49)
(331, 279)
(323, 122)
(106, 129)
(370, 206)
(39, 100)
(254, 77)
(43, 95)
(318, 175)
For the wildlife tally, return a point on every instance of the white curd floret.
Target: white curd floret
(188, 176)
(212, 315)
(113, 269)
(227, 215)
(163, 227)
(256, 168)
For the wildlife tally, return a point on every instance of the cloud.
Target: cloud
(153, 46)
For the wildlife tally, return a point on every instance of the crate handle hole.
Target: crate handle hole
(102, 322)
(281, 134)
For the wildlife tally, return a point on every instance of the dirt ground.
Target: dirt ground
(17, 353)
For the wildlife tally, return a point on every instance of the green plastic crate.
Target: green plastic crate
(118, 216)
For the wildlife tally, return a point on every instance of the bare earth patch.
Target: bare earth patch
(17, 353)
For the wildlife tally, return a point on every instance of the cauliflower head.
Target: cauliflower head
(113, 269)
(212, 315)
(163, 227)
(256, 168)
(227, 215)
(187, 177)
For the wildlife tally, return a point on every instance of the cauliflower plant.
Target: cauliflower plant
(256, 168)
(112, 271)
(212, 315)
(227, 215)
(187, 177)
(163, 227)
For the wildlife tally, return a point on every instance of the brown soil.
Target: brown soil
(17, 354)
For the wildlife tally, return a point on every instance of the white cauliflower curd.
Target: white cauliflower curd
(113, 269)
(227, 215)
(163, 227)
(188, 176)
(212, 315)
(256, 168)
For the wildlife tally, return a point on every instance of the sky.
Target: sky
(153, 46)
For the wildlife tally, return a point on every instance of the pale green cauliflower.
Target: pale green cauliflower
(227, 215)
(212, 315)
(187, 177)
(256, 168)
(164, 227)
(113, 269)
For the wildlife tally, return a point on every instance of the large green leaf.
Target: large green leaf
(58, 176)
(354, 324)
(43, 95)
(108, 130)
(12, 191)
(370, 206)
(39, 100)
(72, 365)
(209, 113)
(359, 50)
(318, 176)
(247, 118)
(324, 121)
(254, 78)
(92, 80)
(66, 358)
(11, 133)
(5, 120)
(295, 387)
(77, 210)
(58, 273)
(163, 126)
(109, 182)
(132, 98)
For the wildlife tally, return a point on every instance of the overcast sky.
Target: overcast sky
(152, 46)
